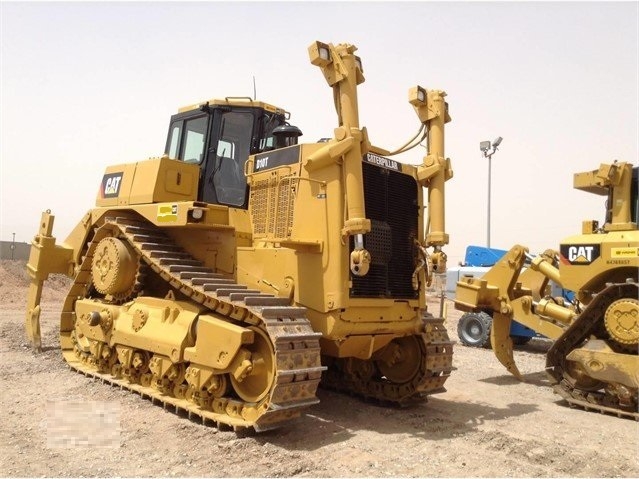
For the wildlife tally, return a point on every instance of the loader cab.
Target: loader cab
(219, 136)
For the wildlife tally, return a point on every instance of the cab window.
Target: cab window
(268, 122)
(174, 140)
(194, 136)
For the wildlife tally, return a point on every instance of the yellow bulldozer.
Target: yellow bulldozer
(593, 362)
(229, 276)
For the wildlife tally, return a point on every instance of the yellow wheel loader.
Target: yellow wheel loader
(593, 362)
(231, 275)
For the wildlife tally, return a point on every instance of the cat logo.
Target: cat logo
(582, 254)
(381, 161)
(111, 185)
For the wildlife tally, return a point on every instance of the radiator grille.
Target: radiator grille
(259, 205)
(285, 204)
(272, 206)
(392, 207)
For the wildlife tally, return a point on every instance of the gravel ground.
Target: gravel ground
(487, 424)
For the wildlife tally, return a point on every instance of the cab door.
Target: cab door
(188, 140)
(223, 179)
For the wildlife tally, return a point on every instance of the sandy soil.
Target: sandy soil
(486, 425)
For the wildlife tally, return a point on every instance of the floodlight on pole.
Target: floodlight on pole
(485, 147)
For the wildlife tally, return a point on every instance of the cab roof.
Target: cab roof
(234, 101)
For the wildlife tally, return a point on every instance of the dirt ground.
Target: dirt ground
(487, 424)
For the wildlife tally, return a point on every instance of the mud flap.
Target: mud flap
(502, 343)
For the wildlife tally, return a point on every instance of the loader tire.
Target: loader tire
(473, 329)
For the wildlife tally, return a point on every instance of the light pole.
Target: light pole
(485, 147)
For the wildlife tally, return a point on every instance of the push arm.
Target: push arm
(435, 169)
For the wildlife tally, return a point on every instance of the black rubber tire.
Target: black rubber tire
(521, 340)
(473, 329)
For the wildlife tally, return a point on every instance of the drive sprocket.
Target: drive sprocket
(622, 321)
(115, 268)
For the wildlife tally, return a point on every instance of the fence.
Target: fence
(11, 250)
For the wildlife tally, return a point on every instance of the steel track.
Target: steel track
(295, 344)
(575, 335)
(435, 366)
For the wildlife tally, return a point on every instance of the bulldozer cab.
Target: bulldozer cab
(618, 182)
(219, 136)
(633, 200)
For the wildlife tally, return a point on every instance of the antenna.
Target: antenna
(254, 89)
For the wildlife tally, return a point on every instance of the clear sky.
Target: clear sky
(85, 85)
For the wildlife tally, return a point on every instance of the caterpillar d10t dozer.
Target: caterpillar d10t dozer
(593, 362)
(229, 276)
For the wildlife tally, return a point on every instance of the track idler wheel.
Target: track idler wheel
(400, 360)
(254, 378)
(578, 378)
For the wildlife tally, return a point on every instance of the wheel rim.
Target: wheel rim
(258, 383)
(472, 330)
